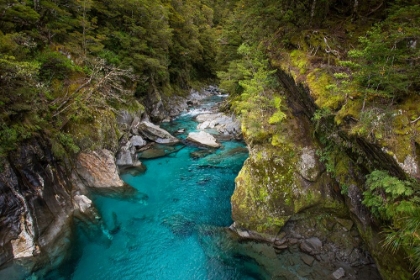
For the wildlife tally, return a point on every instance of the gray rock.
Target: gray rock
(203, 138)
(311, 245)
(127, 156)
(223, 124)
(134, 128)
(307, 259)
(156, 134)
(410, 165)
(158, 113)
(339, 273)
(138, 141)
(35, 205)
(124, 120)
(308, 166)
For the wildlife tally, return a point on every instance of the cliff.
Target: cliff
(306, 177)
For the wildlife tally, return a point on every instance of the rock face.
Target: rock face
(35, 203)
(350, 171)
(98, 169)
(283, 189)
(127, 155)
(203, 138)
(309, 166)
(269, 190)
(156, 134)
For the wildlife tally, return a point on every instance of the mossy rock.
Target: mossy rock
(269, 190)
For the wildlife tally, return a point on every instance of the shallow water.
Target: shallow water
(173, 228)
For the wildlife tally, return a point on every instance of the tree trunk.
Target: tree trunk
(312, 11)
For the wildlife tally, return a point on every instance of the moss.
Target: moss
(317, 82)
(269, 190)
(97, 131)
(261, 187)
(298, 60)
(350, 110)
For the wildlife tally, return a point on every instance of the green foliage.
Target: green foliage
(64, 61)
(278, 116)
(253, 86)
(389, 55)
(385, 195)
(55, 65)
(396, 202)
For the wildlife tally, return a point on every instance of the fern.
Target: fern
(395, 201)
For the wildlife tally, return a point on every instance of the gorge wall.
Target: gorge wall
(284, 194)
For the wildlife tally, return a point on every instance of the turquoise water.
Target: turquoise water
(174, 227)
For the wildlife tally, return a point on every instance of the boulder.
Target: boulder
(156, 134)
(156, 150)
(82, 202)
(98, 169)
(223, 124)
(311, 245)
(137, 141)
(127, 156)
(203, 138)
(307, 259)
(339, 273)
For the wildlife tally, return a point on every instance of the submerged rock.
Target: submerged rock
(203, 138)
(179, 225)
(156, 151)
(201, 153)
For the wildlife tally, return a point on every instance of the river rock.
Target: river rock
(339, 273)
(223, 124)
(311, 245)
(307, 259)
(201, 153)
(35, 204)
(138, 141)
(98, 169)
(127, 156)
(156, 134)
(82, 202)
(203, 138)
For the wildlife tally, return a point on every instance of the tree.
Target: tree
(390, 55)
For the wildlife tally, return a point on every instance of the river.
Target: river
(174, 227)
